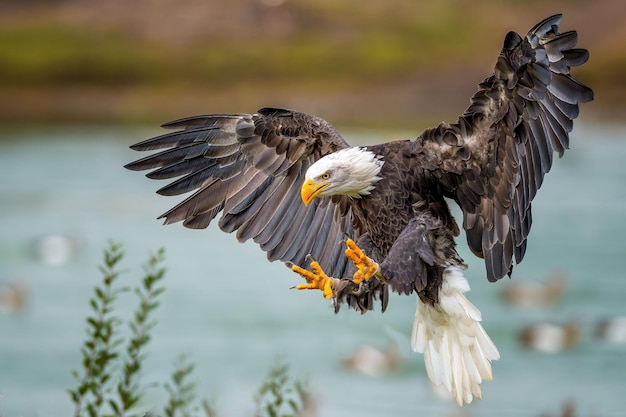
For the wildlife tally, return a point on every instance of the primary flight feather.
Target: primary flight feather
(290, 182)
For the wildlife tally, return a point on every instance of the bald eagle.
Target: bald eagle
(291, 183)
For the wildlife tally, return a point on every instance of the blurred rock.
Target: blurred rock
(566, 411)
(612, 329)
(372, 361)
(13, 298)
(550, 337)
(56, 249)
(532, 294)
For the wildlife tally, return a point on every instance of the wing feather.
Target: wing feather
(302, 235)
(249, 168)
(294, 229)
(280, 215)
(281, 223)
(188, 151)
(265, 209)
(518, 119)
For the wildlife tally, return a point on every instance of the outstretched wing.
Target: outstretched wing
(493, 159)
(250, 168)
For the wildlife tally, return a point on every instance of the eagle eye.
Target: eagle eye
(325, 175)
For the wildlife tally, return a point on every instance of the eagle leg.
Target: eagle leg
(317, 279)
(366, 266)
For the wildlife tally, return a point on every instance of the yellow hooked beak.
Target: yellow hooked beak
(311, 189)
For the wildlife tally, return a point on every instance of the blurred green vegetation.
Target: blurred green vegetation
(50, 54)
(354, 60)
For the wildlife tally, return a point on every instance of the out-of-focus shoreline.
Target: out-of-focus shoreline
(396, 65)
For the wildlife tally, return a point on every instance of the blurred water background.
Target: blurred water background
(233, 313)
(79, 83)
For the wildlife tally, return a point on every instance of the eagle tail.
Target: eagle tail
(457, 350)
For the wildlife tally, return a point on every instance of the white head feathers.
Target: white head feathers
(351, 171)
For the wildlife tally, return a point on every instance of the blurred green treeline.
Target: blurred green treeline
(397, 62)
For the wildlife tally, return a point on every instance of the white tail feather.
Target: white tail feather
(457, 350)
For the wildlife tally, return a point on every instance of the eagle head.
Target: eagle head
(352, 172)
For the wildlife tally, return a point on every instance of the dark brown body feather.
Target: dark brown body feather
(492, 161)
(412, 237)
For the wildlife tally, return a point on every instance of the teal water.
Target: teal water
(233, 313)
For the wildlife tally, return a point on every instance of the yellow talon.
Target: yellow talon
(366, 267)
(317, 280)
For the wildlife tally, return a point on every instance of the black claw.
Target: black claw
(361, 289)
(347, 237)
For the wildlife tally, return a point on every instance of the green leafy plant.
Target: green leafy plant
(140, 326)
(97, 392)
(280, 396)
(109, 384)
(181, 391)
(99, 350)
